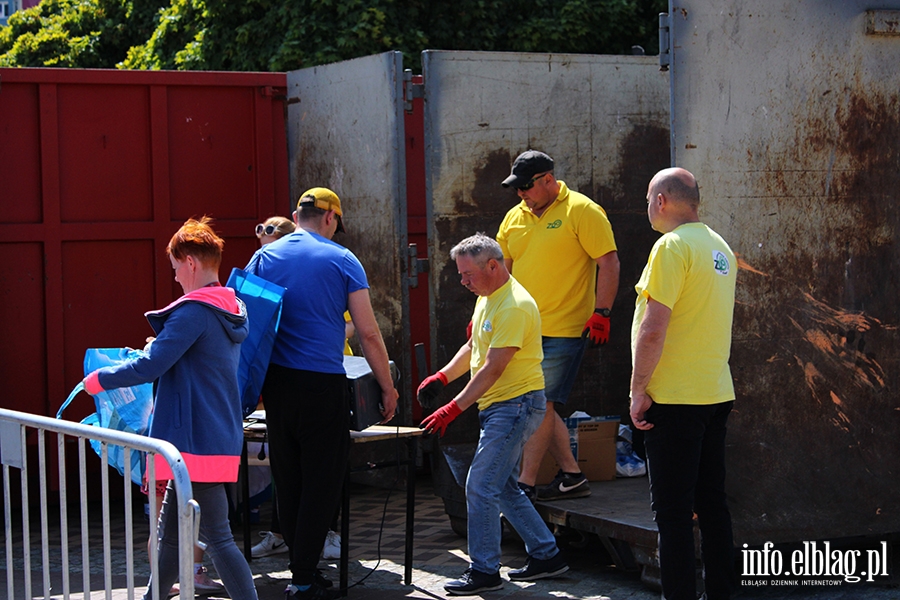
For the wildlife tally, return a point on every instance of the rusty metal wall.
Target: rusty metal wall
(345, 132)
(604, 120)
(788, 113)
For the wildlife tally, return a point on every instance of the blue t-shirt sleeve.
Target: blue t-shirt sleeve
(356, 275)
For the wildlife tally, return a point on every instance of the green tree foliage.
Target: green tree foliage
(281, 35)
(74, 33)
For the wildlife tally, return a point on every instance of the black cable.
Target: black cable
(383, 510)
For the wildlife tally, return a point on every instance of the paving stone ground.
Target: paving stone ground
(439, 555)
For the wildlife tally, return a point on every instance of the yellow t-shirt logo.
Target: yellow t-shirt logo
(555, 224)
(720, 262)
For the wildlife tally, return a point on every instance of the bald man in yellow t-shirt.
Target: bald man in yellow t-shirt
(681, 386)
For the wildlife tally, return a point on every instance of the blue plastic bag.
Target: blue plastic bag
(125, 409)
(264, 301)
(628, 463)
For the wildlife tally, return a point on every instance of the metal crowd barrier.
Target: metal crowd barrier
(15, 429)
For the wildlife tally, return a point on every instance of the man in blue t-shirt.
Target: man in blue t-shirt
(306, 391)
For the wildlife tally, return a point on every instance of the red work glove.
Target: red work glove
(439, 419)
(597, 329)
(430, 388)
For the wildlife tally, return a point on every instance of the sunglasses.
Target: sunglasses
(530, 184)
(264, 229)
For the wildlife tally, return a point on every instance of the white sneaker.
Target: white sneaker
(270, 544)
(204, 583)
(332, 549)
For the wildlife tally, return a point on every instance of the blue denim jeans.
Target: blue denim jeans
(492, 488)
(562, 358)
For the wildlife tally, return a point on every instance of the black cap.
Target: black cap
(527, 165)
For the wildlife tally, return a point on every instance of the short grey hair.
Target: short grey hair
(480, 247)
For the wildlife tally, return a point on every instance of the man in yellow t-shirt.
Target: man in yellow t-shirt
(681, 386)
(503, 357)
(560, 246)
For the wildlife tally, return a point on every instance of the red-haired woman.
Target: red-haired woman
(194, 360)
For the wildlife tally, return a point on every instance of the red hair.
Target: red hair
(197, 239)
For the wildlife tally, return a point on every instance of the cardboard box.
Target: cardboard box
(593, 441)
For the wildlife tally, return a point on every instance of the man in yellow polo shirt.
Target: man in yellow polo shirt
(503, 356)
(681, 387)
(560, 246)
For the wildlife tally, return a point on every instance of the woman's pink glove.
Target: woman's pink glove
(92, 384)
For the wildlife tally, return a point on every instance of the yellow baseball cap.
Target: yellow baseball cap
(325, 199)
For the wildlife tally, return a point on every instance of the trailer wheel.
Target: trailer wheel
(459, 525)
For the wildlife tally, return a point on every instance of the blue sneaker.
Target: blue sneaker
(313, 592)
(540, 569)
(474, 582)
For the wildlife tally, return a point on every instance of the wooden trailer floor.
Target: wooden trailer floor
(619, 513)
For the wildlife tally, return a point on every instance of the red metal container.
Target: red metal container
(100, 169)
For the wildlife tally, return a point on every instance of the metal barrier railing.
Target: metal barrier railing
(14, 431)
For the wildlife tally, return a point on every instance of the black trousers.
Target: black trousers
(308, 422)
(686, 462)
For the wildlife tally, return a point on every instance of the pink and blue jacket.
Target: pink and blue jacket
(193, 363)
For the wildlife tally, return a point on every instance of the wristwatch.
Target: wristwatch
(602, 311)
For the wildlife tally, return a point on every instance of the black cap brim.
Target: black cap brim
(511, 181)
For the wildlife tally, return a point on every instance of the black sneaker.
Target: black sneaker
(313, 592)
(565, 486)
(530, 491)
(474, 582)
(536, 568)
